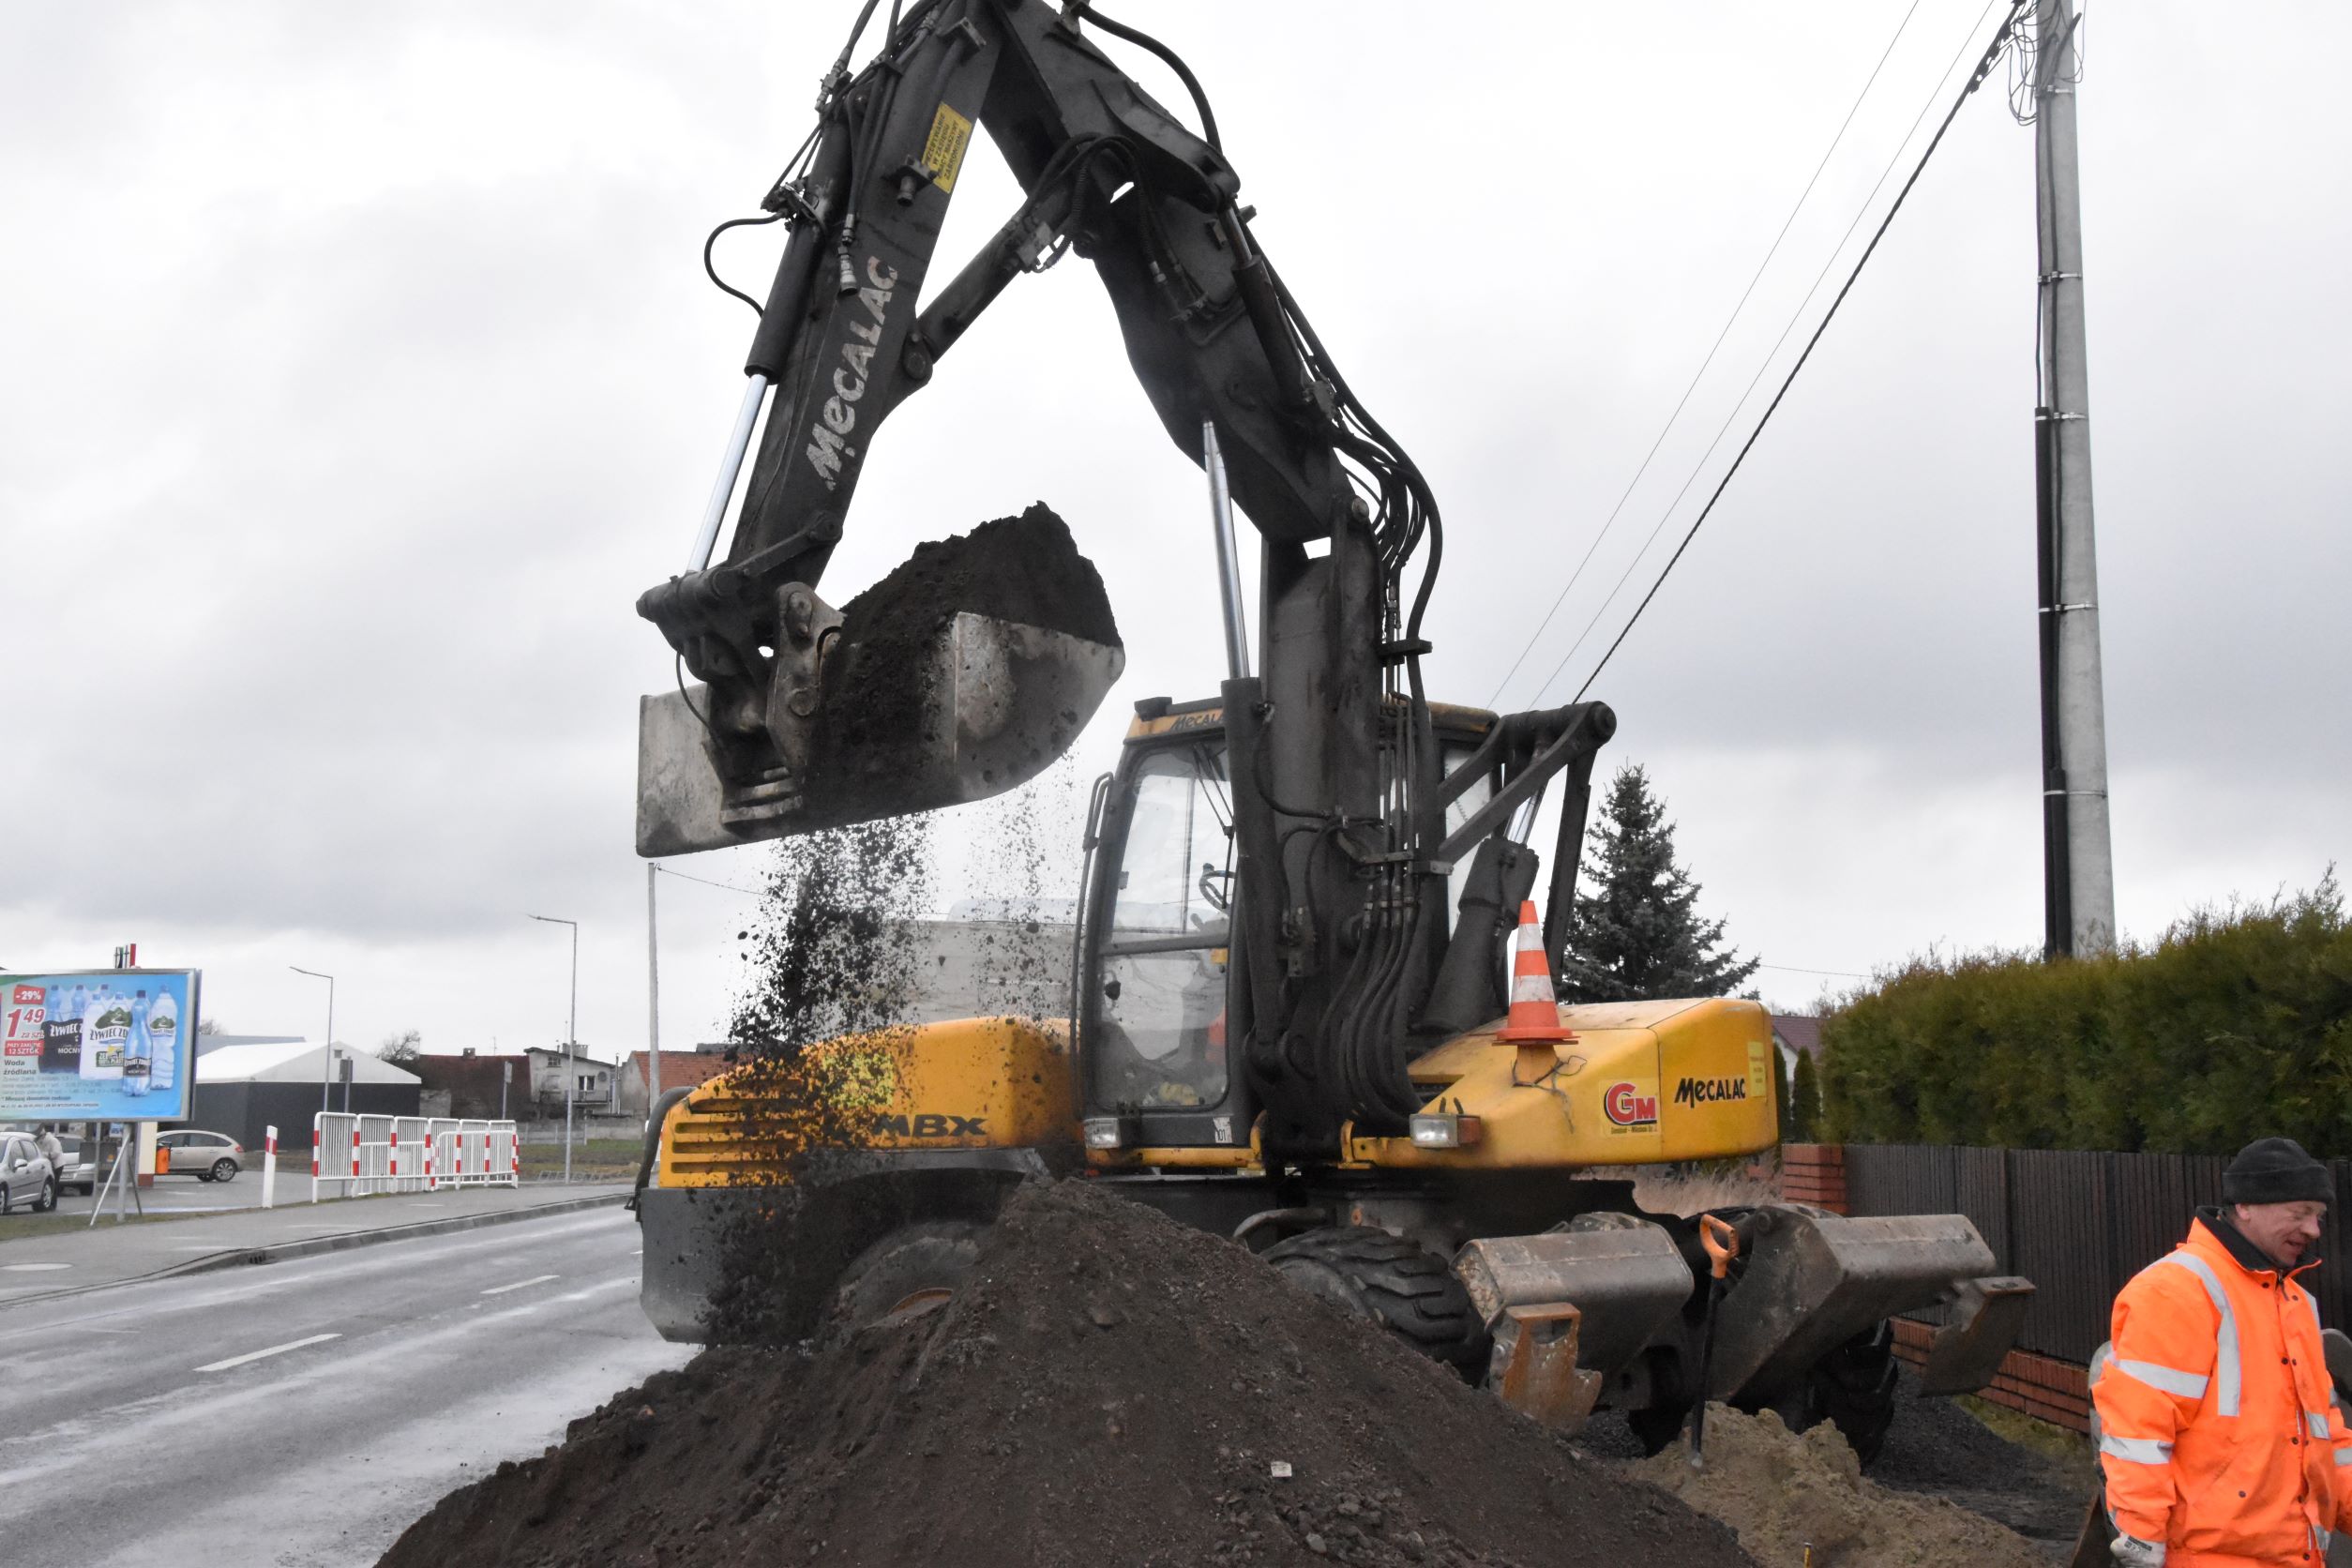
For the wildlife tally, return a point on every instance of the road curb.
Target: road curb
(343, 1240)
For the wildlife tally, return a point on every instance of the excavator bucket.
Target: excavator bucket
(964, 672)
(987, 706)
(1814, 1280)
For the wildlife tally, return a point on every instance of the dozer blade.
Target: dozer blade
(1815, 1279)
(986, 706)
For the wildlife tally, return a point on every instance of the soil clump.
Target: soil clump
(1785, 1493)
(880, 691)
(1108, 1388)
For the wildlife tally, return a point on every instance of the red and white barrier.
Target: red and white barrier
(363, 1155)
(269, 1167)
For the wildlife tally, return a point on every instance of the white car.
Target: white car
(26, 1181)
(206, 1156)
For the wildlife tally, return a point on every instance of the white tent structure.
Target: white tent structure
(241, 1090)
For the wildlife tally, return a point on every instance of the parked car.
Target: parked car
(77, 1169)
(206, 1156)
(25, 1179)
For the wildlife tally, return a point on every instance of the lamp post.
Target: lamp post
(326, 1074)
(571, 1038)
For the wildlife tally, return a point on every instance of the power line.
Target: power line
(1732, 416)
(746, 892)
(1985, 64)
(1545, 624)
(1793, 969)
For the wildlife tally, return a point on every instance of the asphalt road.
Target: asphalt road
(301, 1414)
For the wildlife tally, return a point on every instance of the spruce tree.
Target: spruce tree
(1637, 934)
(1804, 1112)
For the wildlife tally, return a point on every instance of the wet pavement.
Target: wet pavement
(301, 1414)
(109, 1253)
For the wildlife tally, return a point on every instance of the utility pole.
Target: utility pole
(2077, 857)
(571, 1040)
(653, 999)
(326, 1074)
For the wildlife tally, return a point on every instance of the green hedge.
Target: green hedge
(2236, 1024)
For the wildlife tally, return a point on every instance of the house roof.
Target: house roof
(292, 1062)
(1799, 1032)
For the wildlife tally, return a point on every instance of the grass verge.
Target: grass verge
(592, 1158)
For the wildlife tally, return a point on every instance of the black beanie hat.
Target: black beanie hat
(2276, 1170)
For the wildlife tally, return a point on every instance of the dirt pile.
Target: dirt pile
(1108, 1389)
(1785, 1493)
(877, 702)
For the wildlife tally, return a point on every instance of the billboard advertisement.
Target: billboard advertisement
(98, 1044)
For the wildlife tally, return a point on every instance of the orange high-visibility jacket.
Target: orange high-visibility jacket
(2217, 1431)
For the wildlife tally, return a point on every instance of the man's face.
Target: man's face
(2283, 1231)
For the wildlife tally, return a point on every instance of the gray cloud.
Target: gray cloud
(361, 374)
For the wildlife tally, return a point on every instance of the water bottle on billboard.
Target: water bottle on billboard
(163, 1034)
(60, 1035)
(105, 1030)
(138, 1048)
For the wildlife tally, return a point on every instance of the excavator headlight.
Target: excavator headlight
(1446, 1130)
(1103, 1132)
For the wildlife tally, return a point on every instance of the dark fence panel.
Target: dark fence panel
(2078, 1222)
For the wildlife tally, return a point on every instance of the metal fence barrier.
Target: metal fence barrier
(352, 1155)
(2078, 1222)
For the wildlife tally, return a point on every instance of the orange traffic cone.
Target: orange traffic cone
(1534, 1005)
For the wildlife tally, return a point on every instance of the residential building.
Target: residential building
(592, 1082)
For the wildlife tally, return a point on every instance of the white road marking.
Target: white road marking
(534, 1279)
(31, 1268)
(272, 1351)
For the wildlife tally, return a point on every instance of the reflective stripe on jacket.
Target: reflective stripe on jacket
(2218, 1433)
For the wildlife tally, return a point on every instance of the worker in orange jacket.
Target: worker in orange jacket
(2217, 1429)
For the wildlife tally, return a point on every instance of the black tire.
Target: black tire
(937, 1255)
(47, 1199)
(1853, 1386)
(223, 1170)
(87, 1189)
(1410, 1292)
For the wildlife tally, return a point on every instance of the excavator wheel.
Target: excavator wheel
(912, 1270)
(1411, 1293)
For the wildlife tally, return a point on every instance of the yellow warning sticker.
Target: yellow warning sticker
(1760, 1069)
(944, 151)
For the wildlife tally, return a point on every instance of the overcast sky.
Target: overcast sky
(359, 372)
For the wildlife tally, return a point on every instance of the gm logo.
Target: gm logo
(1625, 1104)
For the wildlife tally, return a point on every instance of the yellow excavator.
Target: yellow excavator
(1288, 987)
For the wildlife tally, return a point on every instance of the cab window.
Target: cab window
(1159, 982)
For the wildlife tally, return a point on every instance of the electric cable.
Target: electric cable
(1716, 347)
(1984, 66)
(746, 892)
(1731, 417)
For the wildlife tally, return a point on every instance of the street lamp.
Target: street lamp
(326, 1074)
(571, 1038)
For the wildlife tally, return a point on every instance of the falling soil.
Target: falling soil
(831, 954)
(880, 688)
(1108, 1388)
(1790, 1495)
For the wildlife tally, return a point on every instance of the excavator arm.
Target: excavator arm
(1341, 862)
(847, 331)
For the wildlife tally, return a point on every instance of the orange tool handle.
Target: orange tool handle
(1721, 1242)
